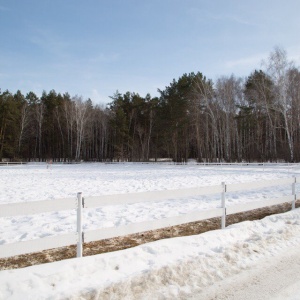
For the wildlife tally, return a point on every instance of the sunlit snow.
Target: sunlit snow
(178, 268)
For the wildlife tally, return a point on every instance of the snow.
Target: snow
(177, 268)
(34, 182)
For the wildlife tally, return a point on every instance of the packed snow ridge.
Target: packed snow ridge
(179, 268)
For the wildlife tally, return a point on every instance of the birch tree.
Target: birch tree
(278, 67)
(204, 117)
(81, 117)
(229, 95)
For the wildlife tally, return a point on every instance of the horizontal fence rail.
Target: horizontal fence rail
(105, 233)
(242, 207)
(37, 245)
(36, 207)
(257, 185)
(131, 198)
(80, 203)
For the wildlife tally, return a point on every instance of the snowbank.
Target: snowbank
(178, 268)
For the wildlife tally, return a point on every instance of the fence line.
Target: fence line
(80, 202)
(7, 163)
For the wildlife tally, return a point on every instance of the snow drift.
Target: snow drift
(177, 268)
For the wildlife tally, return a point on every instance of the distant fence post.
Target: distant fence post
(294, 193)
(79, 224)
(223, 221)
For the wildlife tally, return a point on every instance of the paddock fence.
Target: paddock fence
(79, 203)
(13, 163)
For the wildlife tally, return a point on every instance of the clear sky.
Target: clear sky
(94, 47)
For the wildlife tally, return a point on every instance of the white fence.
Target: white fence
(14, 163)
(79, 203)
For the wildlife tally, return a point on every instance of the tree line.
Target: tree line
(231, 120)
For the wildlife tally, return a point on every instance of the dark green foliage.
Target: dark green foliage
(192, 118)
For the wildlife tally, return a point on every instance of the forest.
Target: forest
(252, 119)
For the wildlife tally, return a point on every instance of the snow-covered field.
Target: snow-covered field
(34, 182)
(194, 267)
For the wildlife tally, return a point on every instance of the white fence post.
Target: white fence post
(294, 193)
(79, 224)
(223, 222)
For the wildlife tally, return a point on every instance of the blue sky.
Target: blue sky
(94, 47)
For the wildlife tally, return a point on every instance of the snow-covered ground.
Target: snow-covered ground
(250, 260)
(194, 267)
(34, 182)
